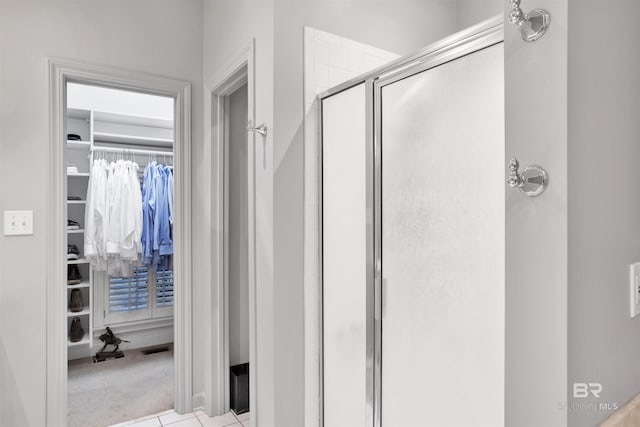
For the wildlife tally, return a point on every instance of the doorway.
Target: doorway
(119, 272)
(230, 105)
(236, 261)
(165, 292)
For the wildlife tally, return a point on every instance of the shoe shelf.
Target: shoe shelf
(78, 144)
(85, 311)
(79, 285)
(78, 155)
(84, 341)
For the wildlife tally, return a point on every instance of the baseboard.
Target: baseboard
(139, 339)
(198, 402)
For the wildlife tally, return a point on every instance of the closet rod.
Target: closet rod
(132, 151)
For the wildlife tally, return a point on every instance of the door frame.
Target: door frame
(239, 70)
(472, 39)
(62, 72)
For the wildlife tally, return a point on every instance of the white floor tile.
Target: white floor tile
(244, 417)
(151, 422)
(225, 420)
(160, 414)
(189, 422)
(124, 424)
(174, 417)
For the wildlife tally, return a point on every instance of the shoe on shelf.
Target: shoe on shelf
(74, 198)
(73, 225)
(72, 252)
(75, 301)
(73, 275)
(76, 333)
(71, 169)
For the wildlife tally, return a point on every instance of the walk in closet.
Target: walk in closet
(119, 196)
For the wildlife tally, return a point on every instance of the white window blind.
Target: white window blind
(164, 288)
(143, 296)
(131, 293)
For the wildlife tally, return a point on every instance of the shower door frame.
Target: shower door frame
(483, 35)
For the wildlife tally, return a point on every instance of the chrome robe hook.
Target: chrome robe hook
(532, 25)
(262, 129)
(532, 181)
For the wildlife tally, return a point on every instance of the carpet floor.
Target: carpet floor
(109, 392)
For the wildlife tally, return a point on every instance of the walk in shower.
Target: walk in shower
(413, 239)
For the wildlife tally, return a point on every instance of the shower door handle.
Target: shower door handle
(532, 181)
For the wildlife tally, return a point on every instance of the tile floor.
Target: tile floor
(192, 419)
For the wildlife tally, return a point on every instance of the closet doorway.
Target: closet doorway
(120, 209)
(231, 373)
(236, 262)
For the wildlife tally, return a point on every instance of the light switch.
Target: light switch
(18, 223)
(634, 289)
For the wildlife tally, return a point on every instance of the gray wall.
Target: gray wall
(154, 36)
(536, 229)
(237, 255)
(470, 12)
(604, 201)
(396, 26)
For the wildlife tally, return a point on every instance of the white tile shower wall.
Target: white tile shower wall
(328, 61)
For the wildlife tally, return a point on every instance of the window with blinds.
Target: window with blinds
(145, 295)
(130, 293)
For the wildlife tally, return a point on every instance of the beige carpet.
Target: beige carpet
(113, 391)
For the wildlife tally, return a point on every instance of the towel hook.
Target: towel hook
(533, 25)
(262, 129)
(532, 181)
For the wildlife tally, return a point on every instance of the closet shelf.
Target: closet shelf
(79, 144)
(75, 231)
(84, 312)
(79, 285)
(76, 202)
(129, 139)
(78, 261)
(78, 175)
(84, 341)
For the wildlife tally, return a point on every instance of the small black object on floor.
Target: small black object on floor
(240, 388)
(101, 356)
(109, 338)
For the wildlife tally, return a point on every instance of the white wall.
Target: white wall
(87, 97)
(154, 36)
(604, 207)
(536, 229)
(470, 12)
(237, 257)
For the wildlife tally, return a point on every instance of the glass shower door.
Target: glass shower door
(442, 244)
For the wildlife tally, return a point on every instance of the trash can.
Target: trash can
(240, 388)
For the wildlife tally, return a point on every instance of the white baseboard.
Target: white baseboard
(198, 402)
(139, 339)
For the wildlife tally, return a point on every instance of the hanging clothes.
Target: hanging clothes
(157, 213)
(113, 217)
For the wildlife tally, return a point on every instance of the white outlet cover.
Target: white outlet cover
(634, 289)
(18, 223)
